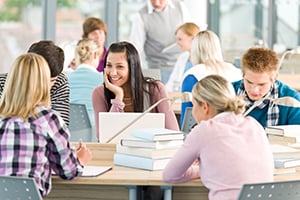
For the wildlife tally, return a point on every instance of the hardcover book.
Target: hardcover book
(135, 142)
(280, 171)
(140, 162)
(282, 151)
(286, 162)
(147, 152)
(156, 134)
(278, 139)
(287, 130)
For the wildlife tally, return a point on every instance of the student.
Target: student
(260, 67)
(34, 138)
(85, 77)
(225, 149)
(95, 29)
(125, 89)
(184, 38)
(153, 30)
(60, 90)
(207, 58)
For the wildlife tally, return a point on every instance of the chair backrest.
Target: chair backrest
(287, 190)
(80, 124)
(188, 120)
(15, 187)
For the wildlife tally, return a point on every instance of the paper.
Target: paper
(91, 171)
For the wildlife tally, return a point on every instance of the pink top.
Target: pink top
(100, 105)
(232, 150)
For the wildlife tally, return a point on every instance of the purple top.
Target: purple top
(101, 63)
(36, 147)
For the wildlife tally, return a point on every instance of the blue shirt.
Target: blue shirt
(82, 83)
(287, 115)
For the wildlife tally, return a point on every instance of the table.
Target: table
(121, 182)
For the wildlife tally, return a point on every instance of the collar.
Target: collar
(151, 9)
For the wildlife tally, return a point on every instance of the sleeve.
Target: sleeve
(177, 72)
(138, 33)
(187, 86)
(60, 97)
(62, 156)
(100, 105)
(181, 168)
(165, 107)
(2, 83)
(293, 116)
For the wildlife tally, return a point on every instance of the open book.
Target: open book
(91, 171)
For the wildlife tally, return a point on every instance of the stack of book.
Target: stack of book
(283, 140)
(286, 159)
(149, 148)
(284, 134)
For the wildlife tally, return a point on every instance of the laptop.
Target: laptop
(113, 123)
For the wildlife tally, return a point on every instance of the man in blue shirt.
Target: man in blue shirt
(260, 68)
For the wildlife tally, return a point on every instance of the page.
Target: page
(91, 171)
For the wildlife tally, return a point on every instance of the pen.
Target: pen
(80, 144)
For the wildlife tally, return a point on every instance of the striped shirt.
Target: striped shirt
(60, 95)
(36, 147)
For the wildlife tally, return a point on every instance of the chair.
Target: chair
(282, 190)
(188, 121)
(80, 124)
(15, 187)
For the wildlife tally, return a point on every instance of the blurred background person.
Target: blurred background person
(96, 29)
(152, 33)
(184, 38)
(207, 59)
(85, 77)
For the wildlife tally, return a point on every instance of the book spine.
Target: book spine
(134, 161)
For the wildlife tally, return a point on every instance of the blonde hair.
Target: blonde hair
(27, 85)
(85, 49)
(206, 49)
(189, 28)
(219, 93)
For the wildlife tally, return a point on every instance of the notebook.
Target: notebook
(110, 123)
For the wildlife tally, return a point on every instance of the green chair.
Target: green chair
(281, 190)
(80, 125)
(16, 187)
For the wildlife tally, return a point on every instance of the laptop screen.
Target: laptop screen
(113, 123)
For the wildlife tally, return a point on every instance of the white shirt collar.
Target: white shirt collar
(151, 9)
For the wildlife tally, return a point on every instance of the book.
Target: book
(287, 130)
(136, 142)
(156, 134)
(282, 151)
(282, 139)
(140, 162)
(92, 171)
(147, 152)
(280, 171)
(286, 162)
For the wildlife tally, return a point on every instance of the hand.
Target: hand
(84, 155)
(118, 91)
